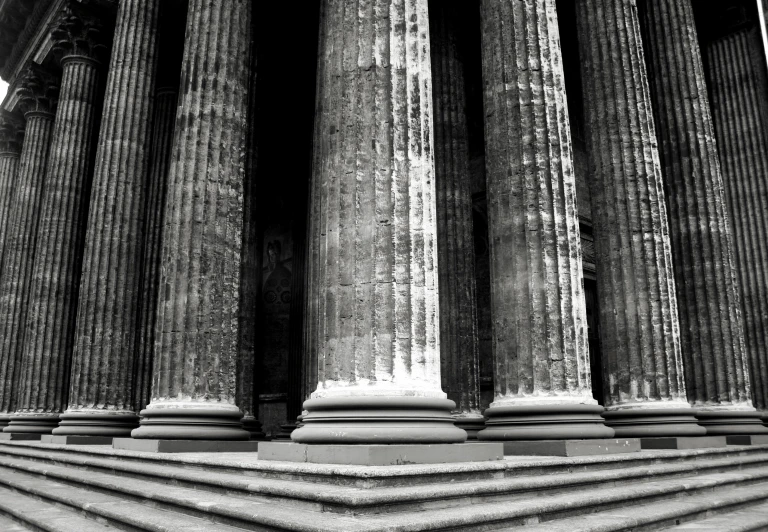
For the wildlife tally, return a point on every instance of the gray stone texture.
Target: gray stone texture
(11, 139)
(711, 333)
(39, 95)
(537, 301)
(640, 337)
(196, 348)
(103, 367)
(571, 447)
(737, 83)
(52, 308)
(459, 365)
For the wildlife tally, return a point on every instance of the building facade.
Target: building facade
(398, 222)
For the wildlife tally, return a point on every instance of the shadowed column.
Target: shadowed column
(11, 139)
(738, 86)
(711, 333)
(639, 330)
(50, 325)
(102, 395)
(373, 258)
(455, 240)
(38, 93)
(196, 350)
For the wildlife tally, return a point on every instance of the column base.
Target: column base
(571, 447)
(653, 422)
(379, 420)
(728, 422)
(286, 430)
(747, 439)
(15, 436)
(5, 419)
(381, 455)
(32, 423)
(471, 423)
(545, 422)
(88, 423)
(190, 424)
(75, 440)
(186, 446)
(693, 442)
(253, 427)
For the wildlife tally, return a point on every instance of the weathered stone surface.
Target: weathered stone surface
(571, 447)
(540, 348)
(373, 226)
(196, 352)
(459, 367)
(52, 310)
(711, 333)
(737, 82)
(103, 378)
(39, 94)
(640, 336)
(185, 446)
(11, 138)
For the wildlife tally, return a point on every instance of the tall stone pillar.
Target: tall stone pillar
(540, 349)
(738, 87)
(640, 336)
(375, 271)
(11, 138)
(459, 349)
(52, 310)
(102, 395)
(711, 333)
(38, 98)
(196, 354)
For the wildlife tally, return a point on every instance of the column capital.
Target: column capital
(11, 133)
(38, 90)
(78, 34)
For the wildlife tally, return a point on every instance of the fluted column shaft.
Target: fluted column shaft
(711, 332)
(195, 367)
(102, 395)
(19, 251)
(640, 337)
(459, 355)
(10, 148)
(50, 322)
(738, 85)
(374, 231)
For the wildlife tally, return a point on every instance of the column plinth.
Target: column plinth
(196, 348)
(50, 325)
(640, 336)
(372, 261)
(540, 349)
(102, 394)
(39, 94)
(711, 332)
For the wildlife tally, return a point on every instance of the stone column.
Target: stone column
(459, 350)
(711, 333)
(738, 87)
(38, 97)
(374, 231)
(196, 351)
(11, 138)
(50, 324)
(102, 395)
(540, 347)
(640, 336)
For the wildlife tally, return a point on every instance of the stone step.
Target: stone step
(345, 499)
(41, 516)
(59, 484)
(737, 509)
(748, 519)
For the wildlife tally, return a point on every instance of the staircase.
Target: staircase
(83, 489)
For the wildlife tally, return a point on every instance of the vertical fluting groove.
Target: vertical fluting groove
(456, 252)
(539, 331)
(159, 165)
(52, 307)
(107, 337)
(712, 340)
(372, 258)
(9, 166)
(19, 250)
(737, 83)
(642, 360)
(196, 342)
